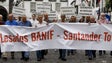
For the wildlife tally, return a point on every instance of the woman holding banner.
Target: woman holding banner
(91, 53)
(102, 20)
(40, 53)
(25, 22)
(71, 51)
(1, 23)
(11, 22)
(62, 52)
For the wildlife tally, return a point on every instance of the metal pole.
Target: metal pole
(102, 5)
(67, 3)
(23, 3)
(91, 2)
(10, 5)
(95, 3)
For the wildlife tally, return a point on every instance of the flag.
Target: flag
(77, 2)
(73, 2)
(18, 2)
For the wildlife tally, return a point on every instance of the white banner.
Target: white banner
(56, 36)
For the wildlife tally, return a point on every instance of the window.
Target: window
(63, 0)
(52, 0)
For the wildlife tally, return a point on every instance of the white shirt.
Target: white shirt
(34, 23)
(42, 24)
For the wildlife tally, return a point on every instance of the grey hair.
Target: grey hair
(102, 13)
(40, 14)
(1, 15)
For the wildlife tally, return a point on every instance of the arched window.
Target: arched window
(2, 0)
(4, 13)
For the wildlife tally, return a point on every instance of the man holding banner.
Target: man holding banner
(10, 22)
(62, 52)
(102, 20)
(25, 22)
(46, 18)
(34, 21)
(91, 53)
(40, 53)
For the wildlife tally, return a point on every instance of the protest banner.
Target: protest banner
(52, 15)
(57, 6)
(18, 11)
(32, 7)
(44, 7)
(68, 11)
(56, 36)
(85, 11)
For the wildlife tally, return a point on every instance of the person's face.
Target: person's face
(73, 18)
(92, 20)
(82, 19)
(88, 18)
(19, 18)
(33, 16)
(0, 18)
(40, 18)
(63, 17)
(46, 16)
(10, 17)
(24, 18)
(102, 17)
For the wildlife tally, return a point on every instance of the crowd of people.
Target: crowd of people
(43, 20)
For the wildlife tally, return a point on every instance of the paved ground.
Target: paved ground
(52, 57)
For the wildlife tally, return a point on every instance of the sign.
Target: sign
(52, 15)
(43, 7)
(68, 11)
(39, 7)
(33, 7)
(69, 36)
(18, 11)
(85, 11)
(57, 7)
(47, 6)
